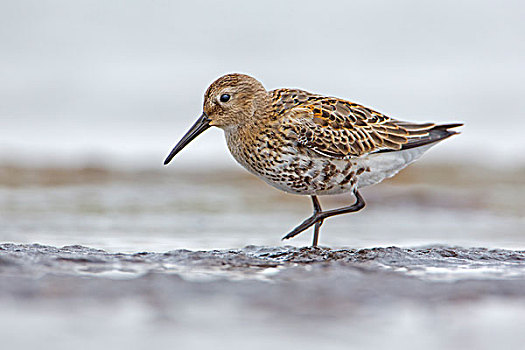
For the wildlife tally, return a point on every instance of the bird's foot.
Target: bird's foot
(315, 218)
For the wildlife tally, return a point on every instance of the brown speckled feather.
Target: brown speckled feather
(337, 128)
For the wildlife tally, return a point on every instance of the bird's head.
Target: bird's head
(230, 101)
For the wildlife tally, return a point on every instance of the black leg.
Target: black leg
(317, 209)
(320, 215)
(316, 233)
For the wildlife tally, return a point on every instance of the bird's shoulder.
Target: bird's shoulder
(283, 100)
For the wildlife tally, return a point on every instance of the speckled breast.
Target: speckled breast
(292, 168)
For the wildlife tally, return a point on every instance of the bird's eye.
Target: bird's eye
(225, 98)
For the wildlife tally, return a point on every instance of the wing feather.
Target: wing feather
(337, 128)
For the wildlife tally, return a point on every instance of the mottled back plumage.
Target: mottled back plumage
(341, 129)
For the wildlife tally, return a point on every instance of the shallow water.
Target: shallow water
(164, 210)
(194, 260)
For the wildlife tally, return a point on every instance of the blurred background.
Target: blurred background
(94, 94)
(116, 83)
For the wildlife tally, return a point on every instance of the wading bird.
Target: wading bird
(309, 144)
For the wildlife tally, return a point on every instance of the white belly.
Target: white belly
(385, 165)
(321, 176)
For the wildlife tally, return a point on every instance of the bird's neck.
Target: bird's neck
(252, 120)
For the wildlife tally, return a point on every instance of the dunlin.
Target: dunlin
(309, 144)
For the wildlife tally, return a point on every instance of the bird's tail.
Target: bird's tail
(435, 134)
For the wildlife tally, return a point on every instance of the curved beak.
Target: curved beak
(200, 125)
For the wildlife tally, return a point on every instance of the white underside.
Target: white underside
(385, 165)
(379, 166)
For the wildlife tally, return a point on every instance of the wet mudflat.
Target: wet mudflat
(271, 296)
(271, 264)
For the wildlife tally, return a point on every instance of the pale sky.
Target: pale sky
(124, 78)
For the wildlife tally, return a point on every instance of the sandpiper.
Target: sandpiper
(308, 144)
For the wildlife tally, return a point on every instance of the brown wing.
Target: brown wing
(338, 128)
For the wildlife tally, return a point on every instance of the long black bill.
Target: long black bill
(200, 125)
